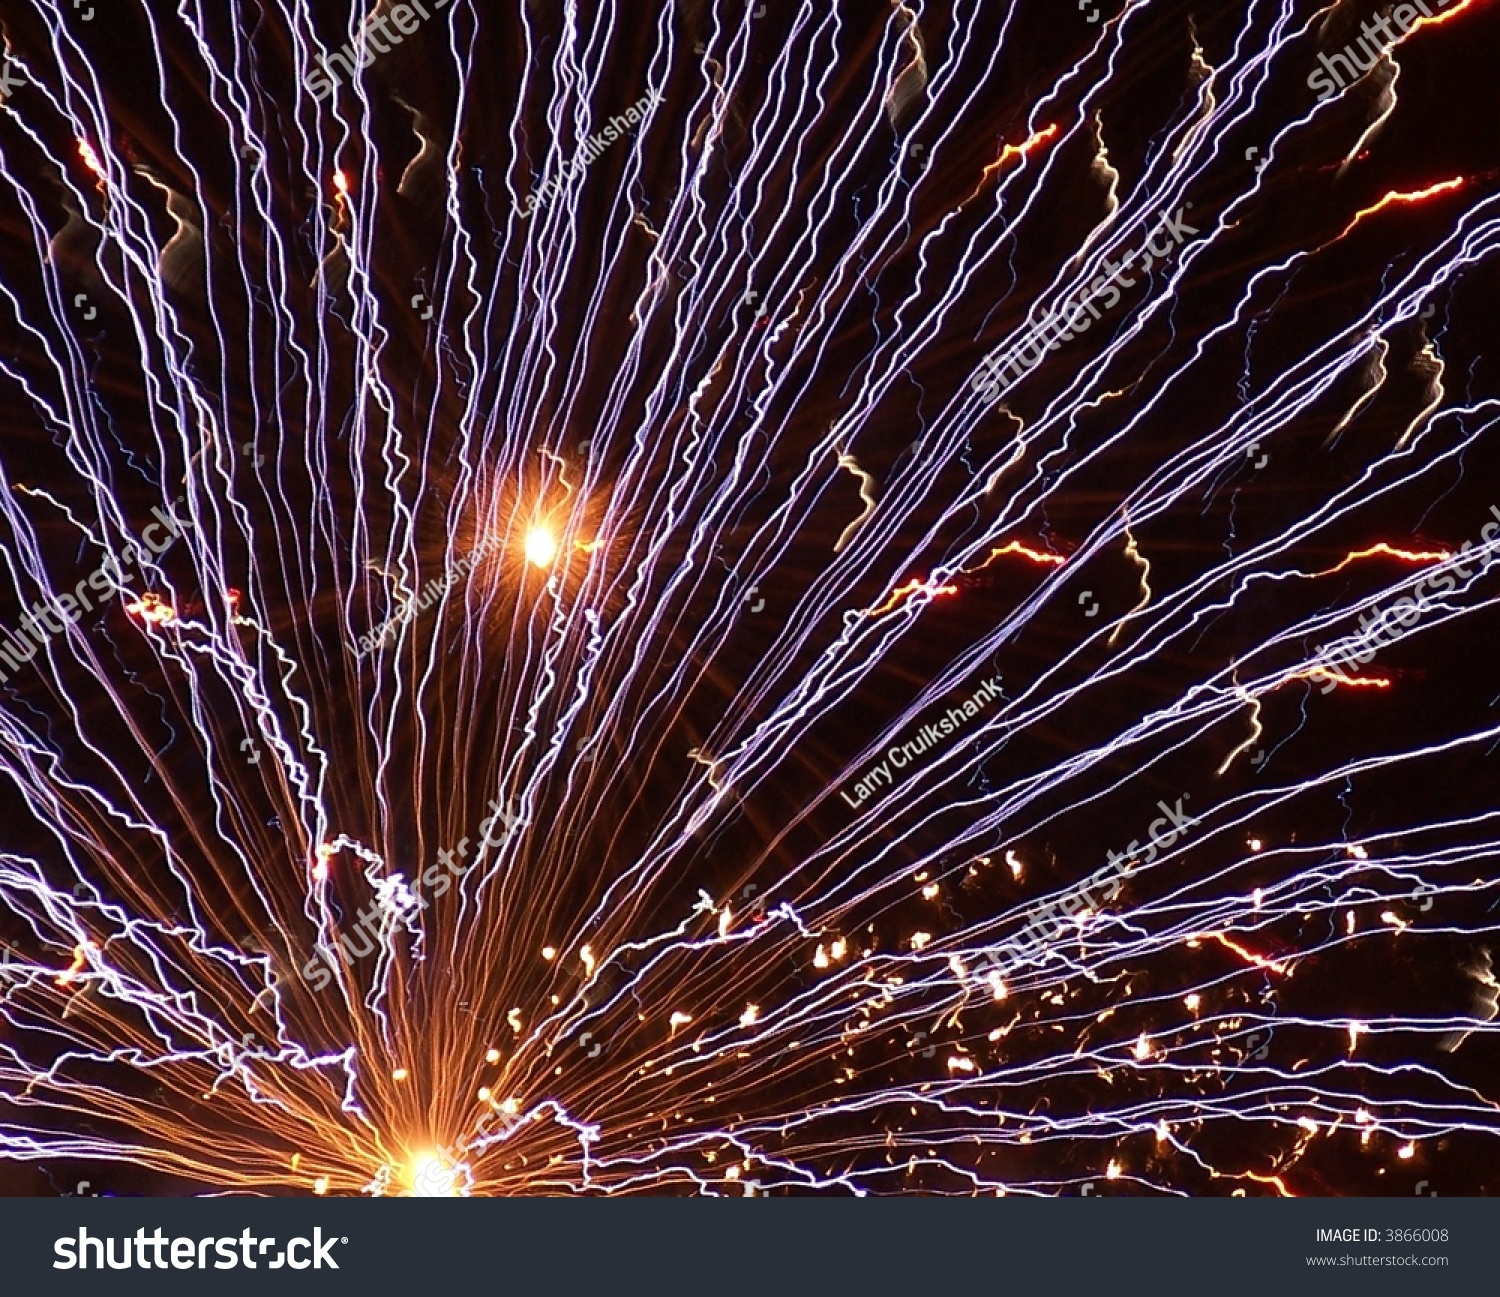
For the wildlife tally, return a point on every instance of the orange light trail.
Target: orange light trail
(1437, 20)
(911, 587)
(1338, 677)
(1395, 196)
(1038, 557)
(1405, 555)
(340, 201)
(1015, 547)
(1249, 956)
(1013, 151)
(1270, 1179)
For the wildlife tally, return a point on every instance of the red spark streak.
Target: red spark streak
(1021, 150)
(1420, 195)
(1013, 151)
(1338, 677)
(1405, 555)
(911, 587)
(1436, 20)
(1015, 547)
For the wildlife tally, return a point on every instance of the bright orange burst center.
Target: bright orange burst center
(541, 547)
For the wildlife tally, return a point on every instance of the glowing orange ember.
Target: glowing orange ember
(90, 158)
(150, 608)
(80, 957)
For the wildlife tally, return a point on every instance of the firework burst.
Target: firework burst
(943, 407)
